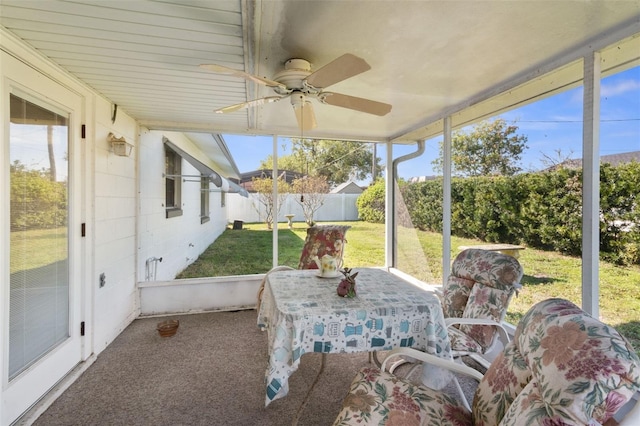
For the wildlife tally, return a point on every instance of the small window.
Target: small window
(204, 199)
(173, 189)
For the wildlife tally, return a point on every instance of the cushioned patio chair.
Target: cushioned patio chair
(563, 367)
(320, 240)
(475, 299)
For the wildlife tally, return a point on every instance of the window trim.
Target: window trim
(174, 210)
(204, 199)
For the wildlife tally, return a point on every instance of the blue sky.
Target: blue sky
(550, 125)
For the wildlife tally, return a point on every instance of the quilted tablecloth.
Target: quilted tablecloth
(302, 313)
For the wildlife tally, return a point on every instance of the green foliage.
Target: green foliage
(551, 210)
(619, 192)
(337, 161)
(424, 216)
(542, 210)
(37, 201)
(491, 148)
(371, 203)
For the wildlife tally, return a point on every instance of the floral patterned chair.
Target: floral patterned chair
(563, 367)
(475, 299)
(320, 240)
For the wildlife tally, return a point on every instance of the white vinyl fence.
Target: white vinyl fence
(336, 208)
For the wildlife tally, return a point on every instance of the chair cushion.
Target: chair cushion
(455, 295)
(321, 240)
(487, 267)
(379, 398)
(503, 381)
(485, 302)
(481, 285)
(580, 371)
(462, 343)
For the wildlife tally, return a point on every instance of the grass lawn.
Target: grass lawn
(547, 274)
(37, 248)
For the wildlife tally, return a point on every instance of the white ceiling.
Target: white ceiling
(429, 59)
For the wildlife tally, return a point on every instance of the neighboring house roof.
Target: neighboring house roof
(613, 159)
(623, 158)
(347, 188)
(246, 179)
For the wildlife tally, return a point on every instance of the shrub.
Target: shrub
(371, 203)
(36, 201)
(542, 210)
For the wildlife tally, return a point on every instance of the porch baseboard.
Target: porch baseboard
(197, 295)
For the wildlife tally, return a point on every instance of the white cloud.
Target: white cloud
(619, 88)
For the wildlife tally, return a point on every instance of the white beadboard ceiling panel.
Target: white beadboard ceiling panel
(428, 59)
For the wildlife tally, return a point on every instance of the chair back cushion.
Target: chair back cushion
(562, 367)
(321, 240)
(481, 285)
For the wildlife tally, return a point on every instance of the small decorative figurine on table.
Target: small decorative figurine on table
(347, 286)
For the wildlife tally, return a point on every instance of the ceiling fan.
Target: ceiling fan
(297, 82)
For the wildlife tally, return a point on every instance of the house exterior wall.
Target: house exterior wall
(121, 208)
(177, 240)
(115, 304)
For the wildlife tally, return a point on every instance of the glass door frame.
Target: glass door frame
(22, 391)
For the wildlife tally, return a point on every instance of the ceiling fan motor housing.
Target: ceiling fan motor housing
(297, 64)
(293, 76)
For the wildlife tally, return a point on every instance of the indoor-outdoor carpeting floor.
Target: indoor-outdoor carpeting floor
(210, 373)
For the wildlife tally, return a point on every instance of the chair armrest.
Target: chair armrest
(502, 331)
(447, 364)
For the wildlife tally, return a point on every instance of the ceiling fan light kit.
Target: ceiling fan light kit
(300, 84)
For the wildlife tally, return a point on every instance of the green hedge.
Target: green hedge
(36, 202)
(371, 203)
(541, 210)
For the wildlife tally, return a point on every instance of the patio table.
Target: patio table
(302, 313)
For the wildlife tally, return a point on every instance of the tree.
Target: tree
(491, 148)
(551, 162)
(337, 161)
(264, 191)
(312, 190)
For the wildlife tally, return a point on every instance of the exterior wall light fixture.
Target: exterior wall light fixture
(119, 145)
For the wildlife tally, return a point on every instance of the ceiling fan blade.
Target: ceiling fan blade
(255, 102)
(358, 104)
(260, 80)
(339, 69)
